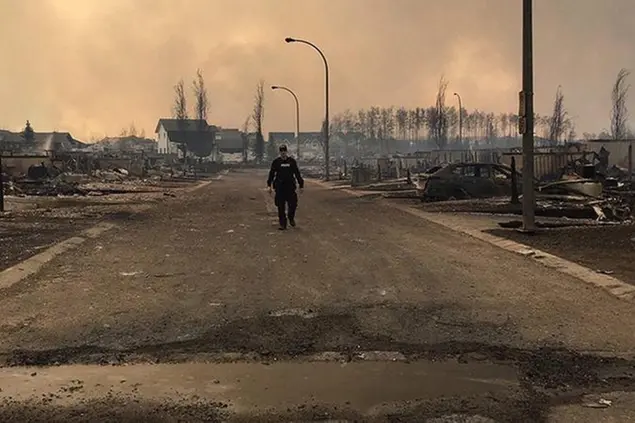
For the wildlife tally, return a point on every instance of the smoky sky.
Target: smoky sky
(92, 67)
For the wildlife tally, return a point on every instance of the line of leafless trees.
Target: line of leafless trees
(438, 125)
(441, 126)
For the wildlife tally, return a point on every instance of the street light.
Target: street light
(297, 115)
(460, 117)
(526, 121)
(326, 100)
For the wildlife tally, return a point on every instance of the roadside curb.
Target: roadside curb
(32, 265)
(613, 286)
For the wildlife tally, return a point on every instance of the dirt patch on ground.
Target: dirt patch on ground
(33, 224)
(23, 236)
(606, 248)
(609, 249)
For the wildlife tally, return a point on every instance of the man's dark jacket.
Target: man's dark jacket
(283, 175)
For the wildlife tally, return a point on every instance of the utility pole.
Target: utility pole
(526, 121)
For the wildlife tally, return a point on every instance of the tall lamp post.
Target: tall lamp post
(297, 116)
(326, 100)
(460, 117)
(526, 121)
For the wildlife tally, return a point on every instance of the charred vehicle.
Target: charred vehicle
(458, 181)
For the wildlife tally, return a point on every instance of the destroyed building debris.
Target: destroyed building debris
(74, 173)
(570, 182)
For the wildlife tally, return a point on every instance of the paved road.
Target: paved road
(362, 311)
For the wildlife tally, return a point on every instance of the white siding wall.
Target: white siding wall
(163, 142)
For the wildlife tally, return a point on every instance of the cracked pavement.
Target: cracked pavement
(207, 278)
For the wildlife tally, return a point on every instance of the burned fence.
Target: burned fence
(550, 166)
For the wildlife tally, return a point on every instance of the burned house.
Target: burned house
(42, 143)
(10, 141)
(127, 144)
(230, 141)
(192, 135)
(310, 142)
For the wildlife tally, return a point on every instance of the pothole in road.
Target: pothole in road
(298, 312)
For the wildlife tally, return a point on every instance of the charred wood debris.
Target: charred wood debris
(82, 175)
(583, 189)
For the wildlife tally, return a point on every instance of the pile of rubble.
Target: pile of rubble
(610, 200)
(41, 180)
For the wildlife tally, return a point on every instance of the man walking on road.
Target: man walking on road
(283, 175)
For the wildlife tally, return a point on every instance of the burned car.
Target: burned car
(458, 181)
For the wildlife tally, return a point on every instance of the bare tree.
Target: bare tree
(412, 124)
(491, 128)
(571, 135)
(179, 111)
(386, 128)
(440, 121)
(558, 121)
(201, 108)
(362, 122)
(245, 137)
(505, 123)
(200, 94)
(619, 112)
(348, 121)
(513, 123)
(258, 116)
(372, 117)
(453, 123)
(401, 118)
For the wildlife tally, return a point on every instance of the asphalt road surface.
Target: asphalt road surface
(198, 309)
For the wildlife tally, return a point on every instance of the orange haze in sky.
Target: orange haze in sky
(92, 67)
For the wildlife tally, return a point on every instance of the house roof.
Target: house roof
(10, 137)
(53, 140)
(201, 143)
(184, 125)
(230, 141)
(43, 140)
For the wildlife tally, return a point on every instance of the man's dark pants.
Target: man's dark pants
(286, 196)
